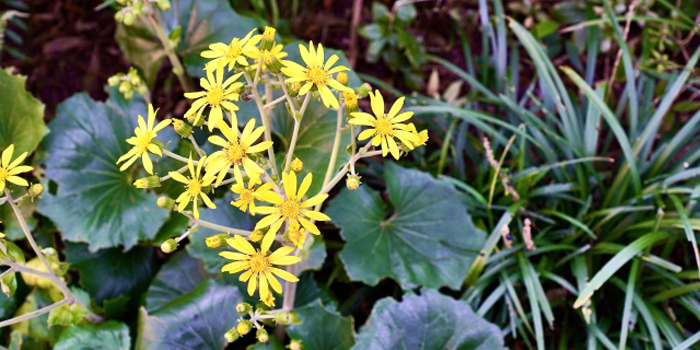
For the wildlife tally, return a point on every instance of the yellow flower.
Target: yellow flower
(217, 95)
(235, 151)
(385, 127)
(234, 53)
(274, 52)
(193, 187)
(143, 142)
(296, 235)
(247, 196)
(10, 169)
(258, 265)
(316, 74)
(291, 209)
(422, 135)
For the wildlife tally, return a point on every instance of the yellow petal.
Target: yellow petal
(280, 252)
(305, 184)
(284, 274)
(377, 102)
(234, 256)
(309, 226)
(235, 266)
(241, 244)
(274, 283)
(252, 283)
(7, 155)
(319, 198)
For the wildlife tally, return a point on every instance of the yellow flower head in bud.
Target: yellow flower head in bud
(352, 182)
(232, 335)
(295, 344)
(256, 236)
(350, 100)
(169, 246)
(235, 53)
(147, 182)
(244, 326)
(144, 142)
(194, 186)
(268, 300)
(236, 151)
(268, 39)
(9, 169)
(342, 78)
(262, 335)
(273, 54)
(216, 241)
(243, 308)
(258, 264)
(296, 235)
(318, 74)
(292, 208)
(182, 128)
(166, 203)
(218, 95)
(36, 190)
(297, 165)
(385, 128)
(422, 136)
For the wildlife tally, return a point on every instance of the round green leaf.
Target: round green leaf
(110, 273)
(110, 335)
(179, 275)
(95, 202)
(322, 328)
(428, 321)
(426, 238)
(196, 320)
(21, 115)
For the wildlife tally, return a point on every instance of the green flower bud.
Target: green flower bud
(297, 165)
(282, 318)
(268, 39)
(243, 308)
(124, 87)
(114, 80)
(166, 203)
(217, 241)
(295, 344)
(134, 80)
(168, 246)
(244, 326)
(232, 335)
(177, 71)
(271, 62)
(36, 190)
(352, 182)
(293, 89)
(363, 90)
(342, 78)
(163, 5)
(142, 89)
(148, 182)
(129, 18)
(256, 236)
(129, 95)
(182, 128)
(119, 16)
(262, 335)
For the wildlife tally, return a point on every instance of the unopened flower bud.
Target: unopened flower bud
(142, 89)
(282, 318)
(113, 80)
(163, 5)
(232, 335)
(36, 190)
(147, 182)
(350, 101)
(168, 246)
(243, 308)
(353, 182)
(256, 236)
(268, 39)
(342, 78)
(166, 203)
(293, 89)
(297, 165)
(119, 16)
(295, 344)
(178, 71)
(262, 335)
(195, 122)
(363, 90)
(182, 128)
(129, 18)
(124, 87)
(129, 95)
(244, 326)
(271, 62)
(134, 80)
(217, 241)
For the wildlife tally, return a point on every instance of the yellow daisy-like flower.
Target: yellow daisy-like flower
(235, 151)
(218, 95)
(247, 196)
(235, 53)
(10, 169)
(291, 209)
(143, 142)
(260, 272)
(193, 187)
(422, 135)
(275, 52)
(316, 74)
(385, 127)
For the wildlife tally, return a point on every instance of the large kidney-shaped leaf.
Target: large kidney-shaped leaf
(179, 275)
(196, 320)
(203, 22)
(426, 238)
(322, 328)
(21, 115)
(111, 335)
(428, 321)
(95, 202)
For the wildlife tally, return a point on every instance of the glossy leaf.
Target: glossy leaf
(427, 321)
(322, 328)
(21, 115)
(196, 320)
(426, 238)
(110, 335)
(179, 275)
(95, 202)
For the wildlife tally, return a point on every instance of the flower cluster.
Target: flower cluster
(242, 153)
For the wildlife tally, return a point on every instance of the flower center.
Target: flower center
(259, 263)
(143, 141)
(290, 208)
(350, 99)
(235, 153)
(233, 52)
(215, 95)
(296, 236)
(4, 174)
(317, 76)
(194, 187)
(384, 127)
(247, 196)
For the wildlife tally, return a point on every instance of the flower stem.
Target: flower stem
(336, 146)
(295, 133)
(265, 121)
(178, 69)
(217, 227)
(35, 313)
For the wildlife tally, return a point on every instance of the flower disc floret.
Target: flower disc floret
(144, 142)
(9, 169)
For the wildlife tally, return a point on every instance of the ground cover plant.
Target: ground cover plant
(474, 175)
